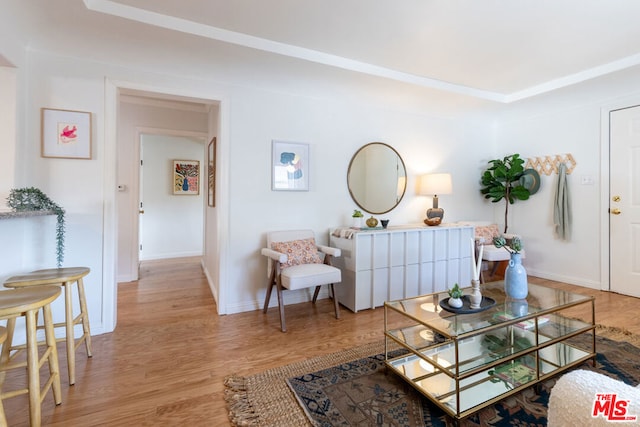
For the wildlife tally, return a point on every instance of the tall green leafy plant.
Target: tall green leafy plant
(32, 199)
(501, 181)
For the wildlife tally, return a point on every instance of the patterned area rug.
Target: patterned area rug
(329, 388)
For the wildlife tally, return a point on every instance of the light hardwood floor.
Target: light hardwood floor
(165, 363)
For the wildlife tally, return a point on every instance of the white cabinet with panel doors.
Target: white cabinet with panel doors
(401, 262)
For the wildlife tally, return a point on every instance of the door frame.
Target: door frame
(605, 190)
(110, 188)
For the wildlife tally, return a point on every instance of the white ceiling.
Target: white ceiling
(496, 50)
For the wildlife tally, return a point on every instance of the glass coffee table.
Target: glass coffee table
(464, 362)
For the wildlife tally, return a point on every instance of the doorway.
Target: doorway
(170, 225)
(120, 159)
(144, 113)
(624, 201)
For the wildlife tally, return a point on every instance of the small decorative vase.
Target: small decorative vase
(515, 278)
(517, 307)
(357, 222)
(455, 302)
(372, 222)
(475, 298)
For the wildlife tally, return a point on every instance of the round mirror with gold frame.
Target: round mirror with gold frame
(377, 178)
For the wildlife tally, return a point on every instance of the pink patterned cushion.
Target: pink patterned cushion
(298, 252)
(486, 233)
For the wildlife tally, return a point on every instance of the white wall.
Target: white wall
(577, 132)
(8, 109)
(172, 225)
(335, 130)
(215, 252)
(568, 122)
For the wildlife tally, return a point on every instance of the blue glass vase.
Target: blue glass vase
(515, 279)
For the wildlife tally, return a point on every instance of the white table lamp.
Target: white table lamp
(434, 184)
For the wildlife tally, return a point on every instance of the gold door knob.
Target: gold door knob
(141, 211)
(615, 211)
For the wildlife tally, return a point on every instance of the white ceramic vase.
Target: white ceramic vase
(455, 302)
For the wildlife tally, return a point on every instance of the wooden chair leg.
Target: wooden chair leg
(54, 367)
(70, 333)
(269, 288)
(33, 369)
(5, 356)
(315, 294)
(85, 317)
(494, 268)
(335, 301)
(283, 325)
(267, 298)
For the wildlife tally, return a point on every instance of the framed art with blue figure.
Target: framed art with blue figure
(289, 166)
(186, 177)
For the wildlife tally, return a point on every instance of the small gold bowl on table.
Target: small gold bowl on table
(433, 221)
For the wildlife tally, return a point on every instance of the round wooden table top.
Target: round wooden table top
(50, 276)
(16, 301)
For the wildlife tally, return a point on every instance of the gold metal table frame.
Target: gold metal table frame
(465, 362)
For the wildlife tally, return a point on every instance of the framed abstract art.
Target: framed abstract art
(186, 177)
(289, 166)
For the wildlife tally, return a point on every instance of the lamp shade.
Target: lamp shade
(434, 184)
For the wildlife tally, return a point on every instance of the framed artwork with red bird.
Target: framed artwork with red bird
(66, 134)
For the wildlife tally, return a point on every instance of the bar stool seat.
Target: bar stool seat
(64, 277)
(15, 303)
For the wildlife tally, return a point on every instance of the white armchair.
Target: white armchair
(295, 261)
(484, 234)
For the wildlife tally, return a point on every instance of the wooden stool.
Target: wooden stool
(3, 418)
(64, 277)
(15, 303)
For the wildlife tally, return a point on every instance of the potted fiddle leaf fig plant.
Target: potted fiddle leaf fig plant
(501, 181)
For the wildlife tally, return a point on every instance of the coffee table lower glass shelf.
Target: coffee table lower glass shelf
(481, 358)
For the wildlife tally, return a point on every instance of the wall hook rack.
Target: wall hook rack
(549, 164)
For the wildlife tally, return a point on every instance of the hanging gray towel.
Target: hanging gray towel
(562, 205)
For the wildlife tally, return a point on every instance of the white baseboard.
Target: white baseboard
(126, 278)
(151, 257)
(572, 280)
(289, 297)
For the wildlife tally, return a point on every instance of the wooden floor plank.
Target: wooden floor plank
(165, 363)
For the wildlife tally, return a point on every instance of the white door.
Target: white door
(624, 201)
(172, 225)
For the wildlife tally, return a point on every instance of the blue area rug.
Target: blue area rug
(364, 392)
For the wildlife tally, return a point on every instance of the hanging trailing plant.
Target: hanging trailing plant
(32, 199)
